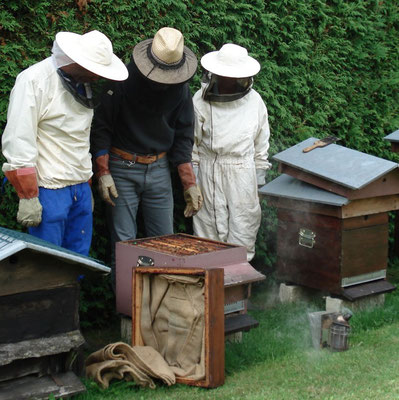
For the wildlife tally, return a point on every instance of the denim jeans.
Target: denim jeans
(137, 184)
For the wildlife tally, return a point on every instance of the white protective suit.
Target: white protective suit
(231, 143)
(44, 118)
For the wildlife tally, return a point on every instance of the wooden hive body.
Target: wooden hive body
(344, 250)
(327, 242)
(393, 138)
(39, 317)
(187, 251)
(212, 355)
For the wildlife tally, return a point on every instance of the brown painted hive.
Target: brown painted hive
(333, 206)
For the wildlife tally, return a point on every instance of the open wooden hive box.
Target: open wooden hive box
(179, 312)
(187, 251)
(333, 205)
(40, 340)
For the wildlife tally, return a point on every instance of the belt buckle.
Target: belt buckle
(130, 163)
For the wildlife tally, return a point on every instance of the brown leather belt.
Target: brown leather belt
(136, 157)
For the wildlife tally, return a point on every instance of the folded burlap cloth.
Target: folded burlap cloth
(121, 361)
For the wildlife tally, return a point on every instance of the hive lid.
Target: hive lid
(288, 187)
(12, 242)
(241, 273)
(393, 137)
(335, 163)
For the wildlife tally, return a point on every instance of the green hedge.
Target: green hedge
(329, 67)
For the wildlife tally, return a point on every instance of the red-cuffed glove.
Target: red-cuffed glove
(192, 192)
(25, 184)
(106, 184)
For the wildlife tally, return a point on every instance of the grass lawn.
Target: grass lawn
(277, 360)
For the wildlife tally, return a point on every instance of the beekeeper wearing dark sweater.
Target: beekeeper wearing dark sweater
(143, 125)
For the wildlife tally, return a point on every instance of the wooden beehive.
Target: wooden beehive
(187, 251)
(393, 138)
(212, 357)
(333, 218)
(39, 317)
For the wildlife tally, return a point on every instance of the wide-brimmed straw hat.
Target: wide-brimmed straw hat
(165, 59)
(231, 61)
(93, 51)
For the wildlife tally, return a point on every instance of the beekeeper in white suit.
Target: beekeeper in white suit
(46, 139)
(231, 146)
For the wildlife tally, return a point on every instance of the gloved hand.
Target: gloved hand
(29, 212)
(192, 193)
(193, 198)
(107, 188)
(260, 177)
(25, 184)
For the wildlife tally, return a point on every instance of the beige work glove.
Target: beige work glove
(107, 188)
(192, 193)
(29, 212)
(193, 198)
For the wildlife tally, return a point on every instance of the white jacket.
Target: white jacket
(237, 129)
(47, 129)
(231, 142)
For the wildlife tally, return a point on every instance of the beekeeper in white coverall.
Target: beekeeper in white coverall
(231, 148)
(46, 139)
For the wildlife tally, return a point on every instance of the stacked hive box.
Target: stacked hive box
(40, 340)
(333, 205)
(393, 138)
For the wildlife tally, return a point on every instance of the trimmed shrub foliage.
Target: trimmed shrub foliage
(329, 67)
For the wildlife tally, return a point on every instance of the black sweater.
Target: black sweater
(140, 116)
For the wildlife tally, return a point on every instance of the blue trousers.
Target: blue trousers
(67, 218)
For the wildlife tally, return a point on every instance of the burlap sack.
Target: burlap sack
(172, 321)
(172, 329)
(121, 361)
(145, 358)
(103, 372)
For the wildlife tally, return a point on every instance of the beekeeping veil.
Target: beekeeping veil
(93, 51)
(231, 61)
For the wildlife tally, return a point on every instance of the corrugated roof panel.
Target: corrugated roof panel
(286, 186)
(11, 242)
(347, 167)
(393, 137)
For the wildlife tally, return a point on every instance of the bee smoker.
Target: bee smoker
(339, 331)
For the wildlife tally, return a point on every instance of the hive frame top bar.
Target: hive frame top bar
(180, 244)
